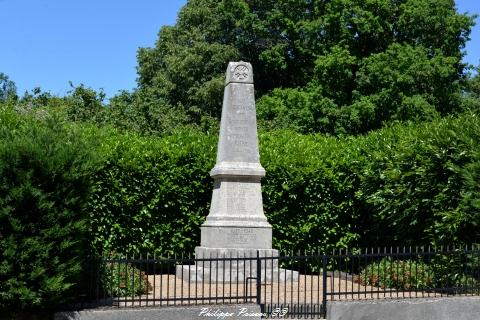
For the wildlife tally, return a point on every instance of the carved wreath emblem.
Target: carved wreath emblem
(240, 72)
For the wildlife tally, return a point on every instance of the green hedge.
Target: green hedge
(309, 190)
(443, 271)
(152, 194)
(123, 280)
(403, 185)
(408, 184)
(420, 183)
(399, 274)
(45, 170)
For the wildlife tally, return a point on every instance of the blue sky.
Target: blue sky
(47, 43)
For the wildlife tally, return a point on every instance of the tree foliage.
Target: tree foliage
(357, 64)
(142, 111)
(471, 94)
(8, 89)
(45, 179)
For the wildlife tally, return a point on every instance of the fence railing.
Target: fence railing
(295, 285)
(404, 273)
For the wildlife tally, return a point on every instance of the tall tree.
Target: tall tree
(360, 63)
(8, 90)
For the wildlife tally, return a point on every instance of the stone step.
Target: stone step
(198, 273)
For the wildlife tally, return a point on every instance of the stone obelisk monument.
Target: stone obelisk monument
(236, 221)
(236, 226)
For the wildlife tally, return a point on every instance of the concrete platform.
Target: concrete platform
(234, 265)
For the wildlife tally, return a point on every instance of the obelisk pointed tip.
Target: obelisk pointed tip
(239, 72)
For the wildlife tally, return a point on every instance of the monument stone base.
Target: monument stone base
(234, 265)
(249, 236)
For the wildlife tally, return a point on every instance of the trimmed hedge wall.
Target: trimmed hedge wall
(421, 184)
(408, 184)
(67, 189)
(152, 194)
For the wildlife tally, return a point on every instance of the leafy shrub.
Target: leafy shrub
(123, 280)
(455, 270)
(45, 173)
(399, 274)
(444, 273)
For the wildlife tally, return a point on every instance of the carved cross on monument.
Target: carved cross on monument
(236, 225)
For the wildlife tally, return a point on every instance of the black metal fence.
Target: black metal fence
(291, 285)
